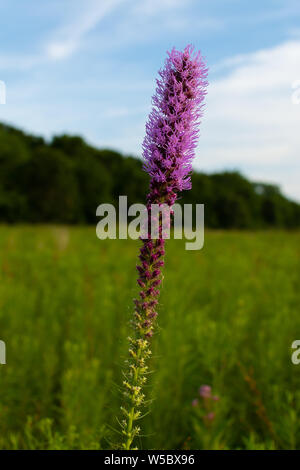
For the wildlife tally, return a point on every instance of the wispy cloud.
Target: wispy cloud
(145, 22)
(139, 22)
(64, 40)
(67, 39)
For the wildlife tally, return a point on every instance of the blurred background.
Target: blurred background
(78, 79)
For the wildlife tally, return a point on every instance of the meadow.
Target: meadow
(228, 316)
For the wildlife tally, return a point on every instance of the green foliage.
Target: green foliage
(66, 302)
(66, 179)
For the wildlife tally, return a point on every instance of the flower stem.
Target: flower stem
(168, 151)
(151, 255)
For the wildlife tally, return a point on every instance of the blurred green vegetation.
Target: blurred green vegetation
(228, 316)
(64, 181)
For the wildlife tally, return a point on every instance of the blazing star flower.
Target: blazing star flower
(205, 391)
(173, 126)
(168, 151)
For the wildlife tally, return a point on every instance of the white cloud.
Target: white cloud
(139, 22)
(68, 38)
(65, 40)
(250, 121)
(149, 21)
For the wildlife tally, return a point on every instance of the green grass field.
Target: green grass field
(228, 316)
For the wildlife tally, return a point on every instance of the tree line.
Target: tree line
(64, 180)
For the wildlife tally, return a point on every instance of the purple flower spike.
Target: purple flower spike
(168, 151)
(205, 391)
(172, 128)
(195, 402)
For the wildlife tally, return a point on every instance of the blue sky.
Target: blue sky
(88, 67)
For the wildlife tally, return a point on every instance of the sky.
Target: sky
(88, 68)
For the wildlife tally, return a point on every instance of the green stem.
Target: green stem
(129, 433)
